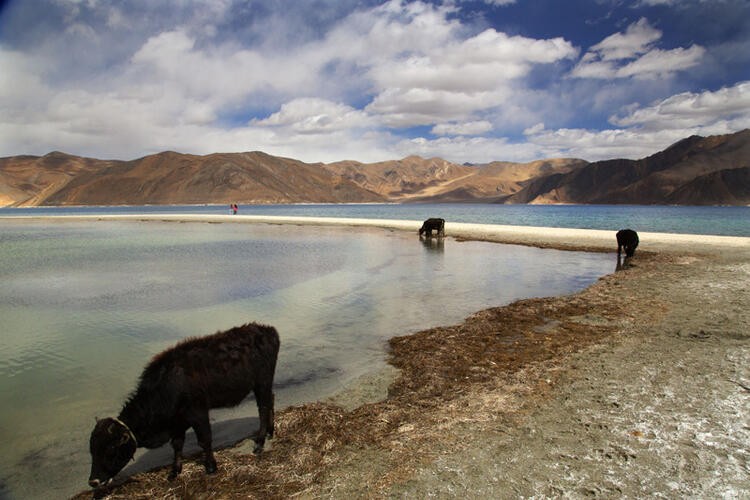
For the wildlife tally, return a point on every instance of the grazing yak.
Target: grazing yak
(177, 389)
(627, 239)
(430, 224)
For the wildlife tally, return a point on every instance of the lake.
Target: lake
(723, 221)
(84, 306)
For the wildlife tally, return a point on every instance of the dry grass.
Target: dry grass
(482, 370)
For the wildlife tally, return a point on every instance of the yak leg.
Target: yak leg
(202, 428)
(178, 441)
(264, 398)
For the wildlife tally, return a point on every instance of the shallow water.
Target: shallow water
(83, 307)
(725, 221)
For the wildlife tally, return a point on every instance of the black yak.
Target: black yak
(627, 239)
(177, 389)
(430, 224)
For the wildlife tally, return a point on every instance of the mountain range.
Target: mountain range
(697, 170)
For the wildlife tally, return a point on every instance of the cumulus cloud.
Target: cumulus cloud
(473, 149)
(593, 145)
(315, 116)
(452, 80)
(465, 128)
(725, 109)
(632, 54)
(653, 128)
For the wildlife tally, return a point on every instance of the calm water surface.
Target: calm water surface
(726, 221)
(83, 307)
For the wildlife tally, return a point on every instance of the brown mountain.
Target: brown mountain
(495, 181)
(725, 187)
(696, 170)
(30, 180)
(402, 180)
(678, 173)
(173, 178)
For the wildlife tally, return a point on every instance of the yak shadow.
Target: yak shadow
(4, 491)
(225, 434)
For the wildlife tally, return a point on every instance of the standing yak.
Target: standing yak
(627, 239)
(433, 223)
(176, 391)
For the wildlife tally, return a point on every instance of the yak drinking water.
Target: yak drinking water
(177, 389)
(627, 239)
(433, 223)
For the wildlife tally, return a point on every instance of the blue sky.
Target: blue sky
(325, 80)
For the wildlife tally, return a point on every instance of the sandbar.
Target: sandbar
(561, 238)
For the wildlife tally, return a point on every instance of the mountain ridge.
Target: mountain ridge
(696, 170)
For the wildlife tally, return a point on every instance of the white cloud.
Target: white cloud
(599, 145)
(656, 2)
(21, 87)
(420, 106)
(654, 128)
(315, 116)
(705, 111)
(464, 128)
(453, 80)
(499, 3)
(662, 63)
(469, 149)
(637, 40)
(632, 55)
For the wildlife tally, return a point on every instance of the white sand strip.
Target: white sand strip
(589, 239)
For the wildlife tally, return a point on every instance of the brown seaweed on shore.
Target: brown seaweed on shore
(442, 373)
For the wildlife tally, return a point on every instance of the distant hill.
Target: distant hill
(173, 178)
(403, 180)
(695, 171)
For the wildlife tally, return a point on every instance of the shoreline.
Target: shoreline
(594, 240)
(636, 385)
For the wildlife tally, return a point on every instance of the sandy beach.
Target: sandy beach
(638, 385)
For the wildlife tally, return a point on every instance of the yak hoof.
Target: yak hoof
(211, 467)
(174, 472)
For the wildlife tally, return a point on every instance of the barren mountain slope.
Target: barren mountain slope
(651, 180)
(28, 180)
(495, 181)
(173, 178)
(696, 170)
(400, 180)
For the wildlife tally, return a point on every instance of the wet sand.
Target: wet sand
(639, 385)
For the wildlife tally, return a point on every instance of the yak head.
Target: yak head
(112, 445)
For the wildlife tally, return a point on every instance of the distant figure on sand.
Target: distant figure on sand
(234, 208)
(628, 239)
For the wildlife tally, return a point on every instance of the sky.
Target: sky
(330, 80)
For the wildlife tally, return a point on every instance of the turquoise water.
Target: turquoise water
(84, 306)
(726, 221)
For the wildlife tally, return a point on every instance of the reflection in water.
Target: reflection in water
(85, 306)
(436, 244)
